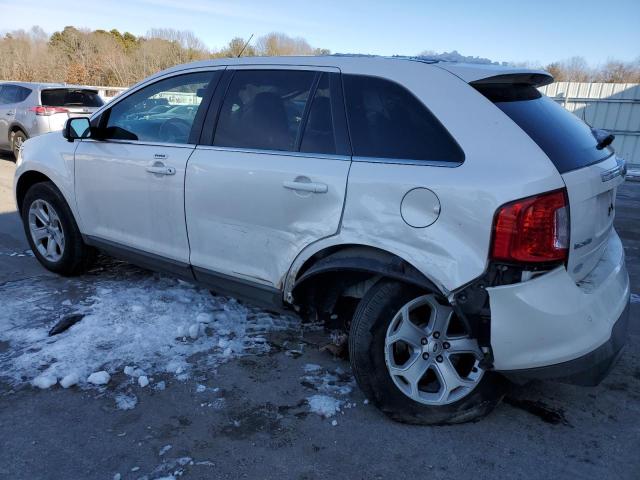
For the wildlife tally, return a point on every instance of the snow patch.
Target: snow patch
(99, 378)
(70, 380)
(44, 381)
(635, 298)
(143, 381)
(126, 402)
(130, 322)
(324, 405)
(165, 449)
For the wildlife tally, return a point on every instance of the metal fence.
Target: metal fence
(612, 106)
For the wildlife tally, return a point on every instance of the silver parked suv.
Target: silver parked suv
(30, 109)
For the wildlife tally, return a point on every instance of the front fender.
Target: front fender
(50, 155)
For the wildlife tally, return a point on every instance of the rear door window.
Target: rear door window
(263, 109)
(13, 94)
(387, 121)
(567, 140)
(319, 131)
(66, 97)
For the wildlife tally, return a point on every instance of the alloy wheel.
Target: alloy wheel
(46, 230)
(429, 356)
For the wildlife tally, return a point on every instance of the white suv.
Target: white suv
(454, 221)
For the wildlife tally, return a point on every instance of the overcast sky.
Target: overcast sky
(539, 32)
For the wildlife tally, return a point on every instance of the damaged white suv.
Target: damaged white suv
(454, 221)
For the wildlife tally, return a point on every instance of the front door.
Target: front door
(130, 184)
(272, 180)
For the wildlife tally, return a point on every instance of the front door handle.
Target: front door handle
(10, 113)
(160, 168)
(306, 187)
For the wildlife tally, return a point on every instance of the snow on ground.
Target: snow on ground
(147, 323)
(332, 387)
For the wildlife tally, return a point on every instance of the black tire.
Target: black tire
(17, 139)
(77, 256)
(366, 349)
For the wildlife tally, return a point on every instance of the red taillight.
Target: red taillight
(533, 229)
(46, 111)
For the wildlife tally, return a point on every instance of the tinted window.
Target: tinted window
(65, 97)
(387, 121)
(319, 135)
(567, 140)
(12, 94)
(137, 117)
(21, 94)
(263, 109)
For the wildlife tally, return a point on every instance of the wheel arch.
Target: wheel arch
(330, 273)
(26, 181)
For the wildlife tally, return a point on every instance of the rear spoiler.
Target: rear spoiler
(479, 74)
(534, 79)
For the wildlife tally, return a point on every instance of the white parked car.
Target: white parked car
(30, 109)
(454, 221)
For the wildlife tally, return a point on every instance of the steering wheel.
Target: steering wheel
(174, 130)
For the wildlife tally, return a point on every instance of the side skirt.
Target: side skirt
(254, 293)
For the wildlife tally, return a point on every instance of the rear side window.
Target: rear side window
(263, 109)
(319, 132)
(13, 94)
(66, 97)
(387, 121)
(567, 140)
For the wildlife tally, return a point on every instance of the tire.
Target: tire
(17, 139)
(378, 309)
(74, 257)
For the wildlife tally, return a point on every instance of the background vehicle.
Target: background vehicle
(30, 109)
(454, 221)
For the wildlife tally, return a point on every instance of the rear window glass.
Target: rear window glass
(65, 97)
(387, 121)
(567, 140)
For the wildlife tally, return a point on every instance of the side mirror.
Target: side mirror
(76, 128)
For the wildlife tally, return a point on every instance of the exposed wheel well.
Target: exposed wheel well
(26, 181)
(17, 128)
(330, 284)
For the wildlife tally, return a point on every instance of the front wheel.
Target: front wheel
(414, 359)
(52, 232)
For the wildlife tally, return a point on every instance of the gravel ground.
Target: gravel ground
(249, 417)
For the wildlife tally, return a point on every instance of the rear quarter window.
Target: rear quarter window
(65, 97)
(564, 138)
(387, 121)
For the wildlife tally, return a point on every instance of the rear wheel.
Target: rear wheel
(52, 231)
(413, 357)
(18, 137)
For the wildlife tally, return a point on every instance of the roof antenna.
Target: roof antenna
(245, 46)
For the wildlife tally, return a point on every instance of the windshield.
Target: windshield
(567, 140)
(66, 97)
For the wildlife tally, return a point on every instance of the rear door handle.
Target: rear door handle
(160, 168)
(306, 187)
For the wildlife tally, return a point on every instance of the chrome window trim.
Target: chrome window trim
(140, 142)
(287, 153)
(407, 161)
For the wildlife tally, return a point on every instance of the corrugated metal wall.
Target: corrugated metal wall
(613, 106)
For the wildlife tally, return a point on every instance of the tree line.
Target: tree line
(112, 58)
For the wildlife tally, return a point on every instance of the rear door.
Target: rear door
(7, 112)
(270, 179)
(591, 174)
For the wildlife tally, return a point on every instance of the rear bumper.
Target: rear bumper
(589, 369)
(549, 327)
